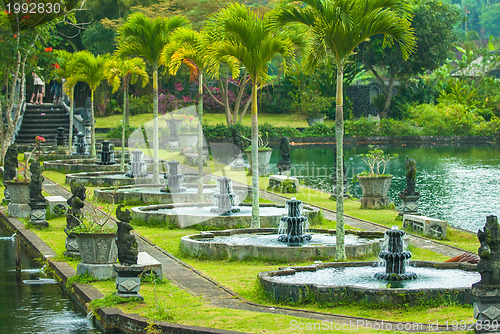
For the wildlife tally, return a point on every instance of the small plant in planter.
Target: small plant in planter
(312, 104)
(375, 183)
(264, 154)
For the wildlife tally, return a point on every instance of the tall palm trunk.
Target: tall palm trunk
(71, 112)
(156, 170)
(93, 154)
(255, 160)
(200, 138)
(124, 124)
(339, 138)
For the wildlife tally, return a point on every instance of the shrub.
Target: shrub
(319, 130)
(140, 105)
(445, 120)
(116, 132)
(362, 127)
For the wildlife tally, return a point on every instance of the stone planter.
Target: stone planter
(374, 189)
(315, 120)
(188, 141)
(19, 192)
(264, 157)
(98, 252)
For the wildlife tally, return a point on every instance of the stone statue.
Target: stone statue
(489, 252)
(10, 163)
(75, 203)
(284, 165)
(36, 170)
(127, 245)
(411, 172)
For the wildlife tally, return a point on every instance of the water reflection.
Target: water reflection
(34, 308)
(459, 184)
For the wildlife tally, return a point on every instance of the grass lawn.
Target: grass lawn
(291, 120)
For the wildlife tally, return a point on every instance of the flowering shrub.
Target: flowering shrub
(177, 98)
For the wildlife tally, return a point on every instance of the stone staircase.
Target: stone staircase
(42, 120)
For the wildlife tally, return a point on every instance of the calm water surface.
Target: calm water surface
(34, 308)
(460, 184)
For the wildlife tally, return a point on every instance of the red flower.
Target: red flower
(40, 139)
(57, 66)
(49, 49)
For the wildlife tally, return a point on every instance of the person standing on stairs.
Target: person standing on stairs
(38, 89)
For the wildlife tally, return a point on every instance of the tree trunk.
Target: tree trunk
(93, 154)
(127, 111)
(125, 103)
(71, 111)
(339, 138)
(200, 137)
(388, 98)
(255, 160)
(156, 169)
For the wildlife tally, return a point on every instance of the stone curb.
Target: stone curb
(110, 319)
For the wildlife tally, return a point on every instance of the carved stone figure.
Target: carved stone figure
(489, 265)
(284, 165)
(37, 178)
(75, 203)
(10, 163)
(411, 172)
(127, 245)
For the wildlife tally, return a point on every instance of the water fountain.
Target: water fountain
(107, 155)
(137, 166)
(395, 258)
(225, 199)
(173, 178)
(80, 147)
(364, 282)
(287, 242)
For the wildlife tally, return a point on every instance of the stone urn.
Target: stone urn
(315, 120)
(98, 252)
(187, 140)
(374, 190)
(264, 156)
(19, 192)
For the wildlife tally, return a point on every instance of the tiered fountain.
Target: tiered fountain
(174, 192)
(363, 282)
(80, 146)
(173, 178)
(137, 166)
(395, 258)
(107, 155)
(225, 199)
(289, 242)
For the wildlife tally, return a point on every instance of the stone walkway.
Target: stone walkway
(188, 278)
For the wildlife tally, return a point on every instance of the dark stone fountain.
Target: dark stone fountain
(294, 224)
(225, 199)
(409, 195)
(137, 167)
(60, 136)
(395, 258)
(174, 178)
(107, 154)
(80, 145)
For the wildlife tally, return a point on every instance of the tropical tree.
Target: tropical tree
(338, 27)
(129, 71)
(238, 33)
(189, 47)
(144, 37)
(89, 69)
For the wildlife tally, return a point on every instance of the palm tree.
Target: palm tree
(65, 70)
(338, 27)
(89, 69)
(144, 37)
(236, 32)
(129, 70)
(189, 47)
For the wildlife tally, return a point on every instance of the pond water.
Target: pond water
(459, 184)
(34, 303)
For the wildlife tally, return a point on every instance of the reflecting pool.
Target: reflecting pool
(459, 184)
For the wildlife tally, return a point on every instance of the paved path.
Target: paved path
(188, 278)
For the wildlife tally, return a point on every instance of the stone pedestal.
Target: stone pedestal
(128, 280)
(486, 307)
(374, 191)
(72, 247)
(98, 252)
(409, 204)
(38, 213)
(429, 227)
(55, 201)
(99, 271)
(18, 210)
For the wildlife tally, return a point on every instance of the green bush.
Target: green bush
(362, 127)
(116, 132)
(140, 104)
(445, 119)
(319, 130)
